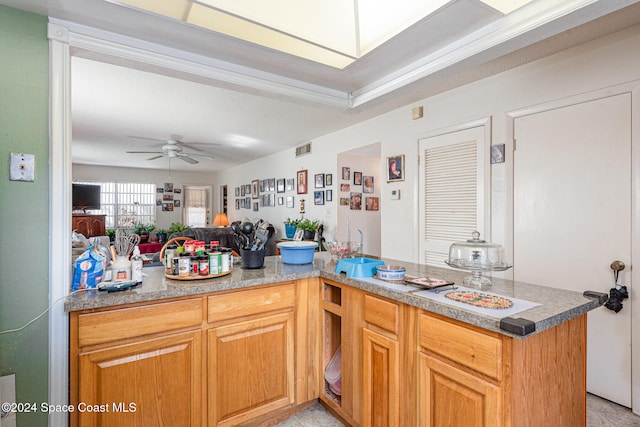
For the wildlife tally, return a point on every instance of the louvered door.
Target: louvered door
(453, 190)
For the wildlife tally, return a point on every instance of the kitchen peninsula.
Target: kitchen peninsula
(252, 347)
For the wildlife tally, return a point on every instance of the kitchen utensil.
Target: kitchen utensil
(125, 241)
(235, 227)
(247, 228)
(262, 234)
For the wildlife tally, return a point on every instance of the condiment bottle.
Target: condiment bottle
(136, 266)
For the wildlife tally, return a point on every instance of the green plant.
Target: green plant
(141, 229)
(112, 234)
(177, 227)
(308, 225)
(290, 221)
(161, 231)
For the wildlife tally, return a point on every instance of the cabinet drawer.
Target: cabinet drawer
(106, 326)
(461, 344)
(381, 313)
(250, 302)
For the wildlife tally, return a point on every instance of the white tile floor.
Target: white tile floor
(600, 413)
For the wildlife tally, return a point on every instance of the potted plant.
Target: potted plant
(290, 226)
(161, 234)
(309, 228)
(143, 231)
(177, 227)
(112, 234)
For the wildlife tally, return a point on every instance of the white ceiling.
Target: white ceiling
(114, 101)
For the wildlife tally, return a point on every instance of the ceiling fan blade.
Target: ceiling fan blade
(192, 145)
(155, 157)
(188, 159)
(144, 138)
(198, 154)
(145, 152)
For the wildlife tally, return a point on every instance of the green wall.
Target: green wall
(24, 206)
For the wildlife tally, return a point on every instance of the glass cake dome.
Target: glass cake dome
(477, 256)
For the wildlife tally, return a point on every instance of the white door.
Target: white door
(572, 218)
(453, 190)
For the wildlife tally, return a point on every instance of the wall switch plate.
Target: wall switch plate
(395, 194)
(7, 395)
(22, 167)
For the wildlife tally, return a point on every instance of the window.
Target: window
(126, 203)
(196, 205)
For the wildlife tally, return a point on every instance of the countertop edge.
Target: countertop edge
(276, 272)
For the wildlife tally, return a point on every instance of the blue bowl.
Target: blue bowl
(297, 252)
(358, 267)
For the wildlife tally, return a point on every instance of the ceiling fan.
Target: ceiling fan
(172, 149)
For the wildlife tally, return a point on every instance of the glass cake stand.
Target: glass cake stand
(478, 257)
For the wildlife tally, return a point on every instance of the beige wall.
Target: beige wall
(594, 65)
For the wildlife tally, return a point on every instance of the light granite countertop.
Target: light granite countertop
(555, 305)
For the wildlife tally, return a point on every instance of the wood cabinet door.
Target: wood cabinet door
(98, 226)
(81, 225)
(381, 380)
(89, 225)
(449, 396)
(251, 368)
(156, 382)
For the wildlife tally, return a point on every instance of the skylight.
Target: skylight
(331, 32)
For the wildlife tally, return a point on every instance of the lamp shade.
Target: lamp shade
(221, 220)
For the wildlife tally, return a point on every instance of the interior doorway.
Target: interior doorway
(359, 182)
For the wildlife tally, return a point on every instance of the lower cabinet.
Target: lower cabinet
(251, 369)
(247, 356)
(452, 397)
(221, 359)
(381, 380)
(151, 382)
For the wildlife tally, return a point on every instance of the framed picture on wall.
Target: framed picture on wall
(302, 177)
(357, 178)
(280, 185)
(329, 196)
(255, 184)
(368, 184)
(318, 197)
(346, 173)
(372, 203)
(395, 168)
(290, 184)
(319, 180)
(176, 203)
(328, 180)
(355, 201)
(289, 201)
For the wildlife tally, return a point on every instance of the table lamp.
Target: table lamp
(221, 220)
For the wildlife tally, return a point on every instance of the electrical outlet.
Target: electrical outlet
(22, 167)
(7, 395)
